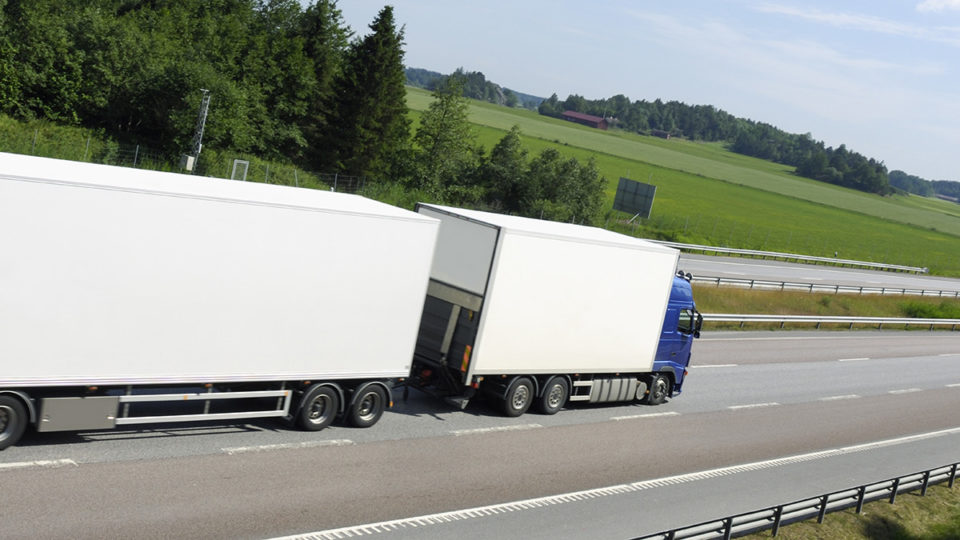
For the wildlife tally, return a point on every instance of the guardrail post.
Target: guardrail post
(893, 490)
(776, 519)
(926, 482)
(727, 528)
(861, 494)
(953, 475)
(823, 508)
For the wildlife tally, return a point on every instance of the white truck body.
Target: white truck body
(556, 298)
(119, 276)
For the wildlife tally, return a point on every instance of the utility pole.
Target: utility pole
(190, 160)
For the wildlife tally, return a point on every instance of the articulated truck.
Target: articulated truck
(538, 313)
(132, 297)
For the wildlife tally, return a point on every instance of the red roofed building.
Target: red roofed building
(585, 119)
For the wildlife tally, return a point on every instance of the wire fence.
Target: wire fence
(53, 141)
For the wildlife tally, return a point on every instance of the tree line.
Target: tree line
(812, 159)
(287, 82)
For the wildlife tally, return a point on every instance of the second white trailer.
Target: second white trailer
(548, 310)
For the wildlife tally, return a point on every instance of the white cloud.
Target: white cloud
(869, 23)
(938, 5)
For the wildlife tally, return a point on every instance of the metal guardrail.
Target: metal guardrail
(793, 257)
(775, 516)
(827, 319)
(817, 287)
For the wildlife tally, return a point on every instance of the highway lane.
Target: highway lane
(646, 507)
(744, 268)
(228, 481)
(794, 346)
(729, 369)
(253, 495)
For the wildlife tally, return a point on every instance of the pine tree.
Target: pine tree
(327, 39)
(368, 130)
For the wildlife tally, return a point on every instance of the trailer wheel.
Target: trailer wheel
(519, 397)
(368, 406)
(659, 388)
(13, 421)
(318, 408)
(554, 396)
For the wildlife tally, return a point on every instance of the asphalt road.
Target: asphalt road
(743, 268)
(261, 479)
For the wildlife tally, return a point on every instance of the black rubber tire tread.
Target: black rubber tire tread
(310, 417)
(519, 397)
(659, 389)
(544, 405)
(368, 406)
(15, 421)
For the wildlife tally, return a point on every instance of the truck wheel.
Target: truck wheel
(318, 408)
(659, 388)
(518, 398)
(554, 396)
(13, 421)
(368, 406)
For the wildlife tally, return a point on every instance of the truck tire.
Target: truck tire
(13, 420)
(659, 388)
(318, 408)
(554, 396)
(518, 397)
(368, 406)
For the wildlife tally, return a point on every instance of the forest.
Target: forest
(287, 82)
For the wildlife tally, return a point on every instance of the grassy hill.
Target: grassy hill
(706, 194)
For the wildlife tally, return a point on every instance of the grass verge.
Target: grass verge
(933, 517)
(713, 299)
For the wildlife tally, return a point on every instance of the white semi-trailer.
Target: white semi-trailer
(536, 312)
(136, 297)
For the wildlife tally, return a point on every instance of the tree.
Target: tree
(445, 141)
(368, 129)
(503, 174)
(327, 40)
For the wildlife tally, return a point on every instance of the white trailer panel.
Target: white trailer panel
(561, 298)
(113, 275)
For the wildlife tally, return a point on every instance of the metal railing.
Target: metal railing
(818, 320)
(793, 257)
(775, 516)
(817, 287)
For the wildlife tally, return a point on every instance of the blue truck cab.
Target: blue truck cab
(681, 326)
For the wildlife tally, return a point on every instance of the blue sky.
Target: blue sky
(882, 77)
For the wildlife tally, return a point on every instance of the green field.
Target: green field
(706, 194)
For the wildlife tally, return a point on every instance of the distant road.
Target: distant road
(750, 397)
(745, 268)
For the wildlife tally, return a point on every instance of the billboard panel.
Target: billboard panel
(634, 197)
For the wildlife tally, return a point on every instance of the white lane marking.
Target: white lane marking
(651, 415)
(714, 366)
(837, 398)
(852, 359)
(622, 489)
(46, 464)
(949, 354)
(459, 432)
(954, 385)
(753, 405)
(906, 391)
(285, 446)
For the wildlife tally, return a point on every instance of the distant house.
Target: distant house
(585, 119)
(947, 198)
